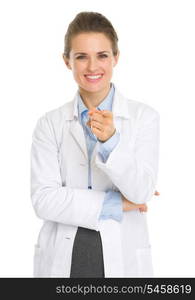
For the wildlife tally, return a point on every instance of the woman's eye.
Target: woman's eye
(81, 57)
(84, 57)
(103, 55)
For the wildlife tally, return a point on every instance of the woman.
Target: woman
(94, 164)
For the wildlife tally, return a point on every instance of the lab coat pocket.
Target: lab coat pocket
(144, 262)
(37, 261)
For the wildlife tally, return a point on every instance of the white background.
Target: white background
(157, 66)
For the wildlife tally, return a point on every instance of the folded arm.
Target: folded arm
(51, 200)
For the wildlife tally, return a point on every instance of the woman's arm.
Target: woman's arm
(51, 200)
(132, 167)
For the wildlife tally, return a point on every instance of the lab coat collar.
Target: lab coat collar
(106, 103)
(119, 107)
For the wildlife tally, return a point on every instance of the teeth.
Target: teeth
(94, 77)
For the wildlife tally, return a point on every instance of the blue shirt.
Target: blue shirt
(112, 205)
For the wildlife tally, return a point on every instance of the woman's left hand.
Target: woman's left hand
(101, 124)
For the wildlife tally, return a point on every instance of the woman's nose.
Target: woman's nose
(92, 64)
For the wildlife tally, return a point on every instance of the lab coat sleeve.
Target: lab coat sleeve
(51, 200)
(133, 164)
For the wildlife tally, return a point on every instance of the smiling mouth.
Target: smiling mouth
(93, 77)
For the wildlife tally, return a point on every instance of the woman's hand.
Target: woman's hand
(101, 124)
(128, 205)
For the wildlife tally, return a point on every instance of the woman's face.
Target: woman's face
(92, 61)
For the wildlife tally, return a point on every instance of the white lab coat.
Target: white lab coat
(60, 194)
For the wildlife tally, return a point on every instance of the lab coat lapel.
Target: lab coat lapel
(76, 131)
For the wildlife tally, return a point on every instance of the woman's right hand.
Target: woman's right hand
(128, 205)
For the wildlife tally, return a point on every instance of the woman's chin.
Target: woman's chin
(92, 88)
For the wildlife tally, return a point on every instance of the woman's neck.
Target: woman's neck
(92, 100)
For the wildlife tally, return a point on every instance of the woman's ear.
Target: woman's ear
(116, 58)
(66, 60)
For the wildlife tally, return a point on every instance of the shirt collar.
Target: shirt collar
(106, 104)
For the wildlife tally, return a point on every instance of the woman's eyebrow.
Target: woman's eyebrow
(101, 52)
(80, 53)
(83, 53)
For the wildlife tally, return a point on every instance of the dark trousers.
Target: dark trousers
(87, 255)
